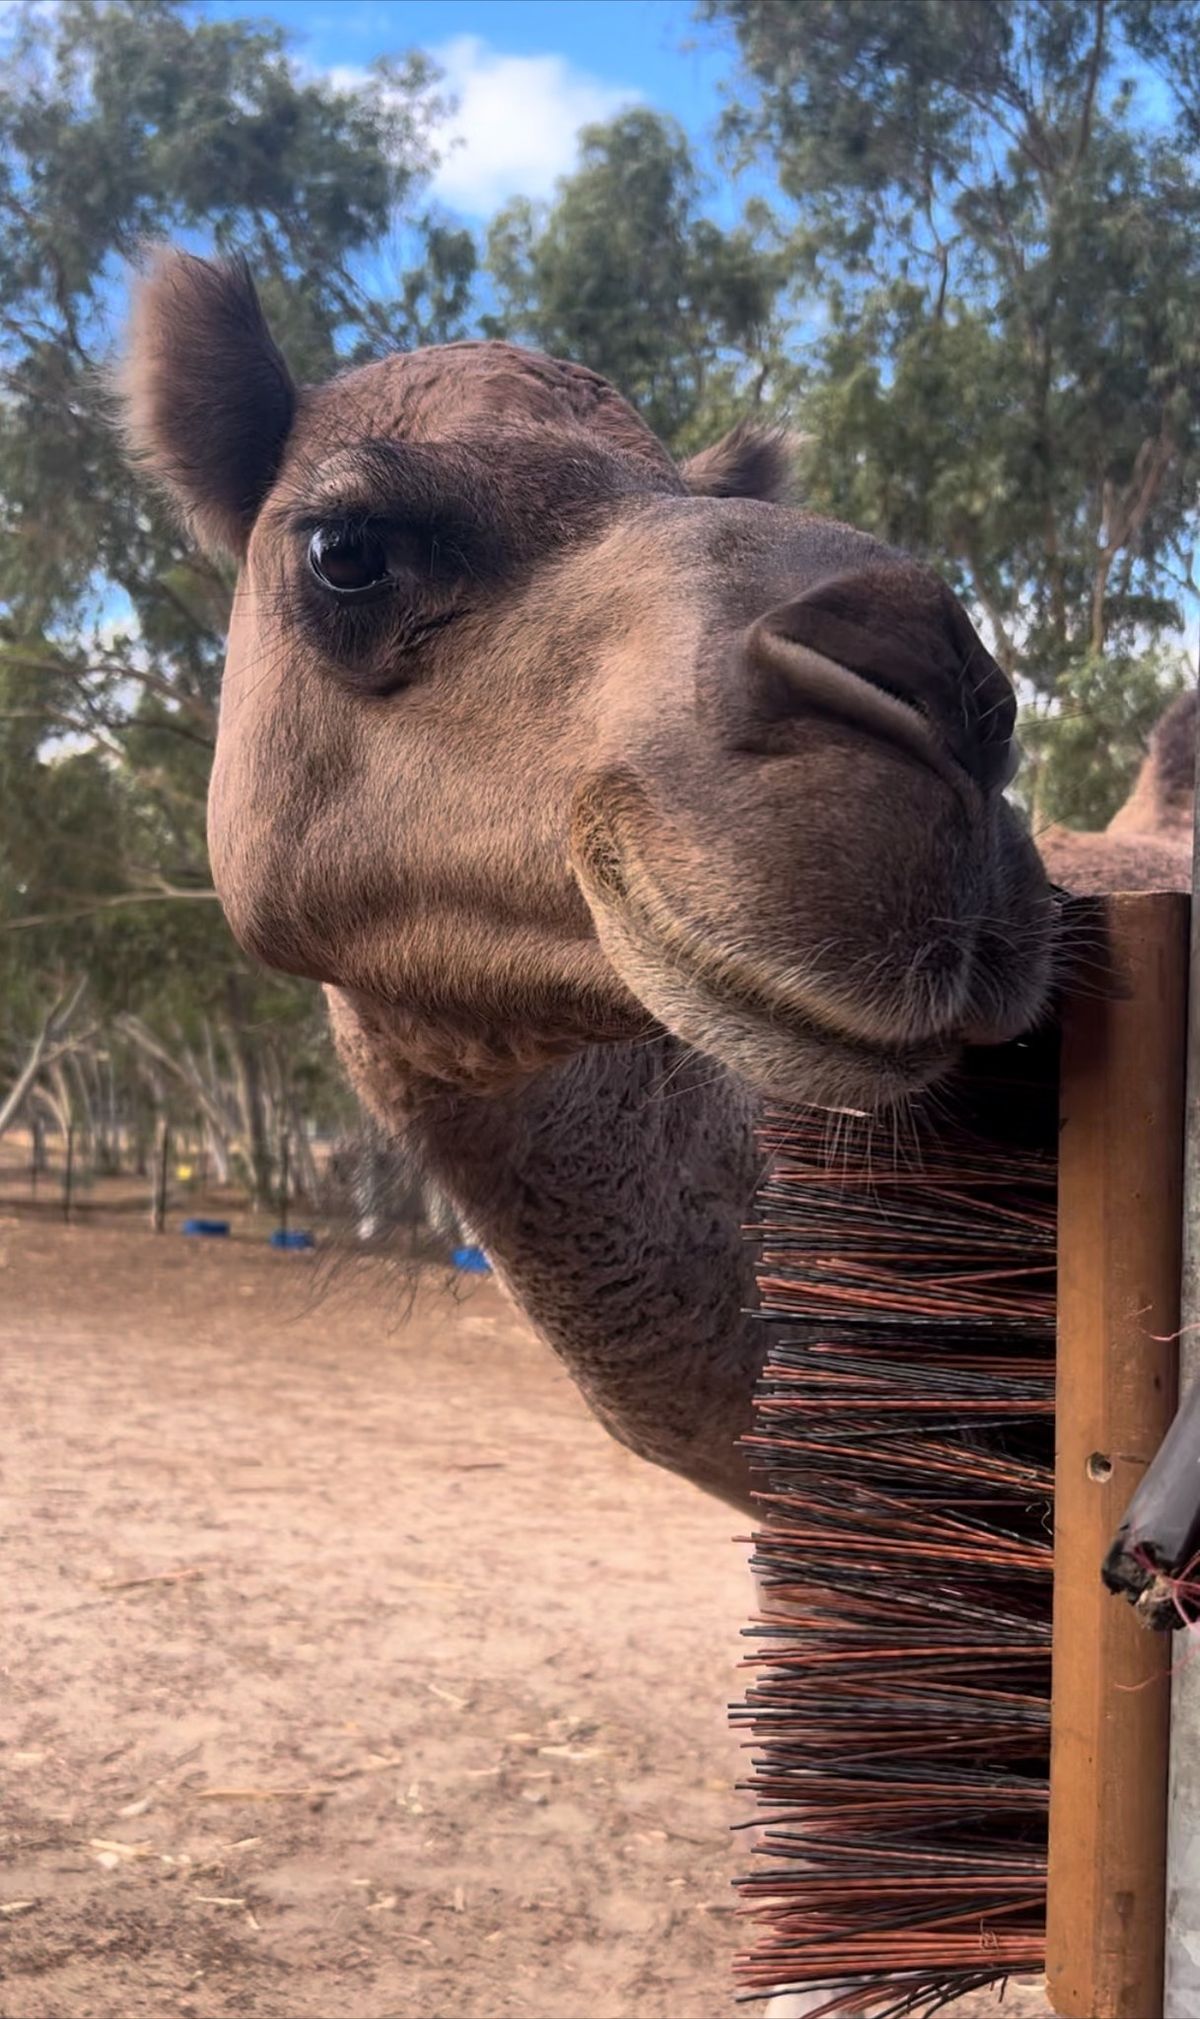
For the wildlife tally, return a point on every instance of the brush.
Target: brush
(900, 1691)
(959, 1738)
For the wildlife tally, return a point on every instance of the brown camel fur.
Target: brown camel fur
(605, 798)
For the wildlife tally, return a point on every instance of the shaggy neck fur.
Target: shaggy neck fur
(611, 1194)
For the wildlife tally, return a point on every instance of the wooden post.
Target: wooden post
(68, 1172)
(158, 1203)
(285, 1177)
(1120, 1179)
(1183, 1801)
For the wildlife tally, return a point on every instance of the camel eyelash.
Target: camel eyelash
(437, 546)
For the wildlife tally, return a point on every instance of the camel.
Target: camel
(607, 799)
(1147, 845)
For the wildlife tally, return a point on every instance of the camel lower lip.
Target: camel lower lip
(811, 1061)
(818, 1027)
(741, 1008)
(842, 1084)
(685, 947)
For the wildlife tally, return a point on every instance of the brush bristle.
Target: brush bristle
(900, 1702)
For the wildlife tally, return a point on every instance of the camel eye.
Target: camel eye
(347, 559)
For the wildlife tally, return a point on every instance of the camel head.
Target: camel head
(532, 740)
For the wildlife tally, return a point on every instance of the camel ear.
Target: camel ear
(208, 400)
(749, 462)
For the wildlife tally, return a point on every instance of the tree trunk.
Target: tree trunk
(248, 1079)
(110, 1119)
(60, 1097)
(83, 1110)
(162, 1155)
(216, 1146)
(304, 1165)
(181, 1068)
(46, 1097)
(53, 1027)
(371, 1191)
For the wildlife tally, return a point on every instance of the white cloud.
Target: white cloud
(517, 123)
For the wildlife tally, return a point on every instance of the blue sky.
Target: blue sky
(527, 73)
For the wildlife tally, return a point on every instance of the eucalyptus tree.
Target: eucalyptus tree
(119, 122)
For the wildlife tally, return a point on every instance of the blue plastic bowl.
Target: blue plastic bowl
(293, 1237)
(472, 1261)
(212, 1229)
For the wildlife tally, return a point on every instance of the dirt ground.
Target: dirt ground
(348, 1668)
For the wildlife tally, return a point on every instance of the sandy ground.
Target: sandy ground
(348, 1668)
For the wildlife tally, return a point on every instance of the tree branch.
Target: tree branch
(1089, 89)
(118, 669)
(53, 1024)
(1124, 517)
(153, 1048)
(96, 905)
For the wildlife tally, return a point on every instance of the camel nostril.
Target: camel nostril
(908, 697)
(894, 632)
(792, 682)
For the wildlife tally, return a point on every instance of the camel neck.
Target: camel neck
(611, 1194)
